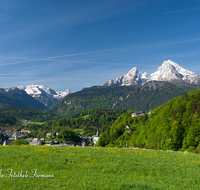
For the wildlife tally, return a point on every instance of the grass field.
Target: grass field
(97, 168)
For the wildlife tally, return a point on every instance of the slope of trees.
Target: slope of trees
(153, 94)
(29, 114)
(18, 98)
(174, 125)
(88, 121)
(7, 120)
(96, 97)
(146, 97)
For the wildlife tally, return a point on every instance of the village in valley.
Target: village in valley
(11, 134)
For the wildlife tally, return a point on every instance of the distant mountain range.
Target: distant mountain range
(169, 71)
(141, 91)
(32, 96)
(134, 90)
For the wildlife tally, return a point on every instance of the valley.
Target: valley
(107, 110)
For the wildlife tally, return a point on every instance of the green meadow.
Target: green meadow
(47, 167)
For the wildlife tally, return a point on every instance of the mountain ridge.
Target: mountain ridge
(44, 94)
(169, 71)
(143, 97)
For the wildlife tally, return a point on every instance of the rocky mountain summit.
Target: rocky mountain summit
(131, 78)
(169, 71)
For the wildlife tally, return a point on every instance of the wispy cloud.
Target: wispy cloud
(182, 10)
(13, 63)
(171, 43)
(72, 55)
(22, 60)
(52, 58)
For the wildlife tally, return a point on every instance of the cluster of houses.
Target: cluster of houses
(85, 141)
(6, 131)
(12, 131)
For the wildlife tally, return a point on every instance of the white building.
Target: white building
(138, 113)
(96, 138)
(36, 141)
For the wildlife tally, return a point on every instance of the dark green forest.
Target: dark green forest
(153, 94)
(146, 97)
(7, 120)
(174, 125)
(24, 113)
(96, 97)
(15, 97)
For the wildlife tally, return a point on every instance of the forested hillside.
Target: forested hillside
(15, 97)
(7, 120)
(146, 97)
(152, 94)
(29, 114)
(174, 125)
(86, 122)
(96, 97)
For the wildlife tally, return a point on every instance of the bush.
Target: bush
(191, 149)
(19, 142)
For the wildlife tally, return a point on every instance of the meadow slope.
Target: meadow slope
(98, 168)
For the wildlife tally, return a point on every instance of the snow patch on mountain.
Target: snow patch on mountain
(61, 95)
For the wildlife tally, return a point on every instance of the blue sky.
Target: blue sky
(77, 44)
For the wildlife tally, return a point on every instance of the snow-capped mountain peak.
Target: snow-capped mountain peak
(169, 71)
(172, 72)
(131, 77)
(44, 94)
(38, 90)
